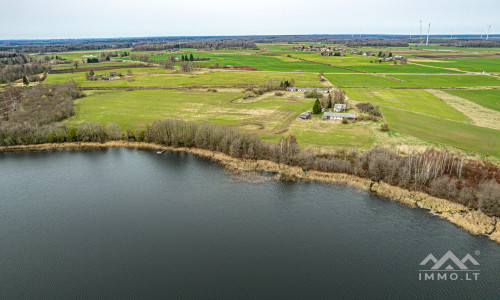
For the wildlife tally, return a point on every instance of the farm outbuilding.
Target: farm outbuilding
(305, 115)
(339, 107)
(307, 89)
(338, 116)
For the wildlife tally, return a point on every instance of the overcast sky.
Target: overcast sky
(38, 19)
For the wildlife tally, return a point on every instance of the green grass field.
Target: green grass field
(476, 64)
(92, 65)
(486, 98)
(448, 80)
(79, 77)
(369, 64)
(77, 55)
(329, 134)
(175, 80)
(366, 80)
(260, 62)
(473, 138)
(413, 100)
(268, 116)
(416, 117)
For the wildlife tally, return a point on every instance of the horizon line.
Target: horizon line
(251, 35)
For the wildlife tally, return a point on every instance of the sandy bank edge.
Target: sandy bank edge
(475, 222)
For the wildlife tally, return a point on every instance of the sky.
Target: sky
(41, 19)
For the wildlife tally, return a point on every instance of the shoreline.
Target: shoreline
(474, 222)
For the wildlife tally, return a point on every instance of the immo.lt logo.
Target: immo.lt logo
(449, 267)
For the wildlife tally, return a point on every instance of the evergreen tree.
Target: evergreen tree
(316, 107)
(390, 54)
(25, 80)
(191, 57)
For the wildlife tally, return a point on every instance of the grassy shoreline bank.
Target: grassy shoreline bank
(475, 222)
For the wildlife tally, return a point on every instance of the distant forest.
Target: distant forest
(247, 42)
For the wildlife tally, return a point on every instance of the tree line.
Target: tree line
(440, 173)
(473, 44)
(191, 57)
(206, 44)
(39, 105)
(12, 73)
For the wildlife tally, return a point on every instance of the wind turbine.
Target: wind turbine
(421, 40)
(428, 30)
(487, 35)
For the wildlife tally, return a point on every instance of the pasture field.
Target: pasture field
(487, 98)
(177, 80)
(77, 55)
(367, 80)
(448, 80)
(361, 80)
(268, 116)
(79, 77)
(412, 100)
(416, 117)
(259, 62)
(370, 64)
(437, 130)
(475, 64)
(328, 134)
(92, 65)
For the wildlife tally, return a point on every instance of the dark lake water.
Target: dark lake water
(133, 224)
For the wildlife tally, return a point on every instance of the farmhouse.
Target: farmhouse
(112, 73)
(338, 116)
(339, 107)
(306, 89)
(305, 115)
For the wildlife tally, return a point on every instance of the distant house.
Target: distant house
(112, 73)
(307, 89)
(339, 107)
(338, 116)
(305, 115)
(399, 57)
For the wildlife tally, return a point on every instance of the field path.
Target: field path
(479, 115)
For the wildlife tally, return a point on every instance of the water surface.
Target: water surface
(126, 223)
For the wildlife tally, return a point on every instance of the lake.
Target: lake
(124, 223)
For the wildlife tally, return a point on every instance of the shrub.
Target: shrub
(279, 94)
(384, 127)
(313, 94)
(489, 197)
